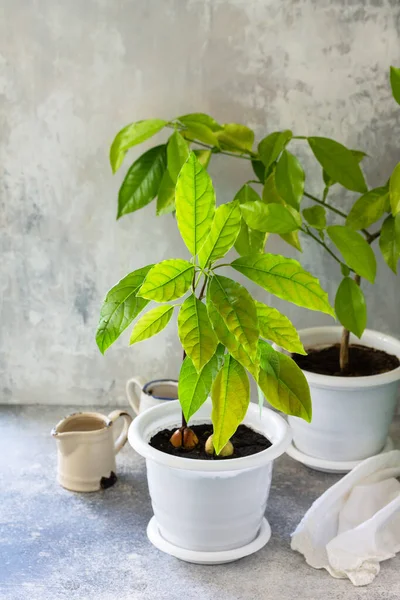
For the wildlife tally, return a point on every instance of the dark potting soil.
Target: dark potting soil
(245, 442)
(363, 361)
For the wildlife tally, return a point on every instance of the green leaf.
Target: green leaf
(291, 238)
(166, 195)
(389, 241)
(344, 269)
(230, 400)
(283, 383)
(195, 204)
(151, 323)
(278, 329)
(142, 181)
(249, 241)
(395, 83)
(201, 127)
(368, 209)
(195, 332)
(271, 146)
(315, 216)
(129, 136)
(120, 307)
(270, 193)
(289, 179)
(193, 387)
(259, 169)
(202, 119)
(350, 306)
(177, 153)
(339, 162)
(236, 137)
(271, 218)
(357, 253)
(223, 233)
(358, 155)
(394, 190)
(286, 279)
(168, 280)
(203, 156)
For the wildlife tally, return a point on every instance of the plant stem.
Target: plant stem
(328, 206)
(203, 288)
(344, 343)
(321, 243)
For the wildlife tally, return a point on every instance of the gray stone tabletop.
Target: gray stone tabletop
(56, 544)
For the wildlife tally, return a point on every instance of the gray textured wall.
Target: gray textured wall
(72, 73)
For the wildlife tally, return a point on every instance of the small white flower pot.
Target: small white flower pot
(208, 511)
(351, 415)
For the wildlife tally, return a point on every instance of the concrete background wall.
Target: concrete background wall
(73, 73)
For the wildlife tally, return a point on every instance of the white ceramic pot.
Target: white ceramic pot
(351, 415)
(208, 506)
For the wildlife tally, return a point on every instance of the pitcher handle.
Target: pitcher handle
(134, 399)
(123, 436)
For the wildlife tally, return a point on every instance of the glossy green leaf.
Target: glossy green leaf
(151, 323)
(292, 239)
(368, 209)
(249, 241)
(166, 195)
(223, 233)
(350, 306)
(283, 383)
(357, 253)
(271, 146)
(129, 136)
(195, 332)
(358, 155)
(200, 127)
(271, 218)
(270, 193)
(177, 154)
(120, 307)
(339, 162)
(286, 279)
(142, 181)
(202, 119)
(236, 137)
(289, 179)
(167, 280)
(230, 400)
(203, 156)
(395, 83)
(389, 241)
(195, 387)
(394, 190)
(259, 169)
(195, 204)
(315, 216)
(278, 329)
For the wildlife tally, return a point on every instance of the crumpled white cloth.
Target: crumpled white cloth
(355, 524)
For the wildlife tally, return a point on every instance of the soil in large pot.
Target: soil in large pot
(363, 361)
(245, 442)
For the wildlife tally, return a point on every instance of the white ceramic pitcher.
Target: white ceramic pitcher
(142, 395)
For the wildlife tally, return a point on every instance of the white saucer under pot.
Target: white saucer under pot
(208, 511)
(351, 415)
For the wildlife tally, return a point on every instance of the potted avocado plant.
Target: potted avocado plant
(209, 462)
(353, 383)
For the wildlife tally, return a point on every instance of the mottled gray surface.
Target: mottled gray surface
(56, 545)
(72, 73)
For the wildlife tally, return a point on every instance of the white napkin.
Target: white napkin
(355, 524)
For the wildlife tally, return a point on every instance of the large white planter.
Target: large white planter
(351, 415)
(208, 506)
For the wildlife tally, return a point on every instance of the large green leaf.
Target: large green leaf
(166, 195)
(368, 209)
(120, 307)
(177, 153)
(270, 193)
(358, 155)
(249, 241)
(151, 323)
(315, 216)
(357, 253)
(271, 146)
(395, 83)
(195, 204)
(230, 400)
(286, 279)
(394, 190)
(224, 231)
(339, 162)
(142, 181)
(236, 137)
(201, 127)
(271, 218)
(350, 306)
(129, 136)
(168, 280)
(289, 179)
(278, 329)
(283, 383)
(194, 387)
(389, 241)
(195, 332)
(202, 119)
